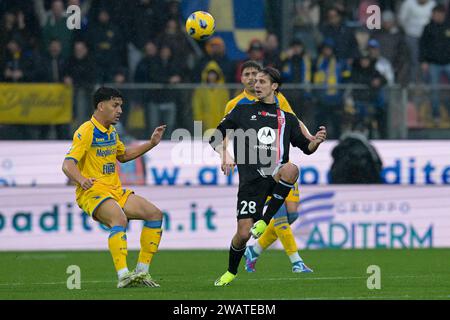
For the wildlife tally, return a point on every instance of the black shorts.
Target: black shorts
(252, 196)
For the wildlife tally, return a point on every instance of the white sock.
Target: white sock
(142, 267)
(257, 248)
(295, 257)
(121, 272)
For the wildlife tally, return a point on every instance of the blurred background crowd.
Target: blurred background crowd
(336, 71)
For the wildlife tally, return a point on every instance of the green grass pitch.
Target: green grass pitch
(189, 274)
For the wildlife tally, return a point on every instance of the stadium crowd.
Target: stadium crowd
(144, 41)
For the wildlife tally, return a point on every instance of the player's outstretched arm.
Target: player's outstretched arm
(287, 107)
(133, 152)
(71, 170)
(305, 131)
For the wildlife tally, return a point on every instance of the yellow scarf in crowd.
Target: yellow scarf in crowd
(326, 76)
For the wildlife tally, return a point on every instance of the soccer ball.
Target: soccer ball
(200, 25)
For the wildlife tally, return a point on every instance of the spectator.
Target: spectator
(146, 68)
(80, 73)
(173, 37)
(18, 66)
(121, 18)
(13, 27)
(108, 46)
(382, 65)
(297, 68)
(393, 47)
(306, 21)
(119, 10)
(208, 101)
(215, 50)
(162, 107)
(296, 64)
(80, 68)
(120, 77)
(362, 36)
(329, 72)
(326, 5)
(273, 16)
(54, 25)
(52, 71)
(146, 73)
(167, 71)
(177, 41)
(174, 12)
(413, 16)
(255, 52)
(53, 63)
(346, 47)
(272, 51)
(147, 21)
(435, 54)
(307, 14)
(369, 105)
(23, 11)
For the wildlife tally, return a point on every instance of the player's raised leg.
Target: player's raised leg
(269, 236)
(278, 228)
(110, 214)
(139, 208)
(286, 177)
(253, 252)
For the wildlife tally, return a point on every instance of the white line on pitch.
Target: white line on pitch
(266, 279)
(332, 278)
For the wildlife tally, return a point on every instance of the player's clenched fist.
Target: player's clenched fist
(321, 135)
(87, 183)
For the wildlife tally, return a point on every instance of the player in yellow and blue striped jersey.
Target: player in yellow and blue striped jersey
(91, 162)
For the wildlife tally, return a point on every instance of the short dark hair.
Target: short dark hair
(439, 8)
(251, 64)
(105, 94)
(274, 75)
(297, 42)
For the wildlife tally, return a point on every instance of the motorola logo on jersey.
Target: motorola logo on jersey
(266, 135)
(266, 114)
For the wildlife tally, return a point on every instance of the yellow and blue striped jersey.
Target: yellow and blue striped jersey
(246, 97)
(95, 150)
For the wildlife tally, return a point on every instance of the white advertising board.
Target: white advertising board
(204, 218)
(172, 163)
